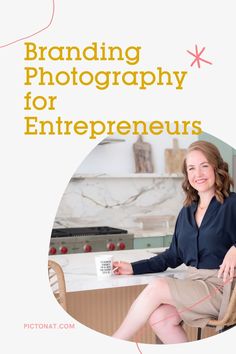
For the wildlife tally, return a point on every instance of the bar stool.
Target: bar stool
(229, 319)
(57, 282)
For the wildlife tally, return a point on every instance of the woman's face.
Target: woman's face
(201, 174)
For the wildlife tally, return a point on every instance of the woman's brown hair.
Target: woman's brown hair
(223, 181)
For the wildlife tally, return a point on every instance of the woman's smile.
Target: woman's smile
(200, 180)
(201, 174)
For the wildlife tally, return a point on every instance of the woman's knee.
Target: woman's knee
(163, 316)
(161, 288)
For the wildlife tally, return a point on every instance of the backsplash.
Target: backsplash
(145, 204)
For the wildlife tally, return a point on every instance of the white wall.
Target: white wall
(118, 158)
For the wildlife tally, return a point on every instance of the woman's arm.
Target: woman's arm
(154, 264)
(228, 266)
(169, 258)
(122, 268)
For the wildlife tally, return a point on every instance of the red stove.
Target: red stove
(89, 239)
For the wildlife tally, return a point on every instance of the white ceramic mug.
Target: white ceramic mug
(104, 265)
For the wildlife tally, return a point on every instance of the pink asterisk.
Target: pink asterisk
(198, 57)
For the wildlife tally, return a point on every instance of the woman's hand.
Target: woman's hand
(121, 268)
(229, 264)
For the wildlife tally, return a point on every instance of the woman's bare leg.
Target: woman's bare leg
(154, 295)
(165, 322)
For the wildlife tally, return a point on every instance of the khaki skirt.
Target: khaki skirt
(200, 296)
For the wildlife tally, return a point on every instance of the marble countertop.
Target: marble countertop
(142, 233)
(80, 272)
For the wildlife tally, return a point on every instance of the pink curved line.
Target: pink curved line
(189, 308)
(138, 347)
(43, 29)
(185, 309)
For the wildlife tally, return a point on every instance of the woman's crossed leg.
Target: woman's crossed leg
(154, 304)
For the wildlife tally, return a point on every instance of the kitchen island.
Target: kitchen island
(80, 272)
(101, 304)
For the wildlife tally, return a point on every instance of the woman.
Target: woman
(204, 240)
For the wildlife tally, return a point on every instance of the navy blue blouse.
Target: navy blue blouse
(202, 247)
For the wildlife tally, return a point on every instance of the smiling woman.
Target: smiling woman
(204, 168)
(201, 177)
(205, 241)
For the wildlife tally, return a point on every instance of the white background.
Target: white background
(35, 170)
